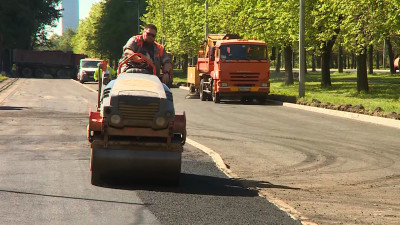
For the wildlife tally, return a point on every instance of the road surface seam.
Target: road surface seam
(8, 88)
(277, 202)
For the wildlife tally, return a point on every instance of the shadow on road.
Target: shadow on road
(200, 185)
(69, 197)
(12, 108)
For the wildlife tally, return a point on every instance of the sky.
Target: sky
(84, 8)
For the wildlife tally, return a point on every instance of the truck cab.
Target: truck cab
(87, 67)
(241, 69)
(231, 68)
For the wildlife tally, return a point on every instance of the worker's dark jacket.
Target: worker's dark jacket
(160, 56)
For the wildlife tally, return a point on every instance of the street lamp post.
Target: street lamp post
(302, 51)
(138, 13)
(206, 25)
(138, 17)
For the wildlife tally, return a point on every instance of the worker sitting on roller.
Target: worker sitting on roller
(146, 45)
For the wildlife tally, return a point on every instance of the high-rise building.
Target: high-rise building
(70, 14)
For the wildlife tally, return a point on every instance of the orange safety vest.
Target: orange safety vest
(139, 41)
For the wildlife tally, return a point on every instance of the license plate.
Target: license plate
(244, 88)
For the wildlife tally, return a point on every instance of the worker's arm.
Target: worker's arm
(167, 67)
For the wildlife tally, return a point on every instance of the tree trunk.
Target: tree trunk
(353, 61)
(288, 65)
(377, 59)
(325, 69)
(319, 61)
(313, 63)
(293, 58)
(370, 59)
(333, 61)
(326, 61)
(391, 55)
(278, 61)
(185, 64)
(362, 77)
(273, 53)
(340, 59)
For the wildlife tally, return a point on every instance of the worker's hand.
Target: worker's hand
(128, 52)
(165, 78)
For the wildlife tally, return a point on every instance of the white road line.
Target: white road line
(262, 193)
(84, 86)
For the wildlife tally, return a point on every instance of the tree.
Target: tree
(63, 42)
(180, 24)
(107, 28)
(324, 28)
(366, 22)
(23, 22)
(117, 24)
(275, 22)
(87, 38)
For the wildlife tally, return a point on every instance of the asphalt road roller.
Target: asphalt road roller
(134, 133)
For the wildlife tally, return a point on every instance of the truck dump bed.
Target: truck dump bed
(55, 58)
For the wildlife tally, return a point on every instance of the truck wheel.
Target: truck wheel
(203, 96)
(27, 72)
(262, 100)
(62, 73)
(39, 73)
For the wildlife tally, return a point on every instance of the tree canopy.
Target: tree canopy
(23, 22)
(353, 25)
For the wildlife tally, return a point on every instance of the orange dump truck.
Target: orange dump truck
(231, 68)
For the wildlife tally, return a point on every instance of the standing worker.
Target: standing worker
(146, 45)
(14, 69)
(111, 71)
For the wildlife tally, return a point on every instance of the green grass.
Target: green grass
(384, 90)
(179, 76)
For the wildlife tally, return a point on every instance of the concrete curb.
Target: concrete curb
(354, 116)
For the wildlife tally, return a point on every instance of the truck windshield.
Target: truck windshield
(90, 64)
(243, 52)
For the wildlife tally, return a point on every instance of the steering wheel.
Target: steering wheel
(139, 59)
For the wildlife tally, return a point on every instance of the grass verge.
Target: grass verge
(384, 90)
(179, 76)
